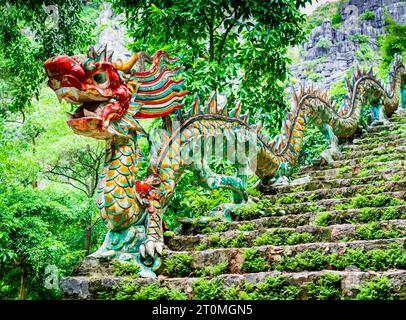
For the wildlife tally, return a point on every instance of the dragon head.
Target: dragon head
(111, 96)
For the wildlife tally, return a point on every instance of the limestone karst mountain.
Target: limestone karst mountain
(344, 34)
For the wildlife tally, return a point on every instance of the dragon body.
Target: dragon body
(112, 96)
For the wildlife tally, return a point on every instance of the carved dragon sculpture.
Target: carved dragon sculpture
(112, 96)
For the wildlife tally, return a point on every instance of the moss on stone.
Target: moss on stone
(280, 237)
(213, 271)
(328, 287)
(314, 260)
(178, 265)
(253, 261)
(377, 289)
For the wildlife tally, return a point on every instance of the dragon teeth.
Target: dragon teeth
(88, 113)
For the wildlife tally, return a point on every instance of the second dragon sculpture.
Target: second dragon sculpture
(111, 96)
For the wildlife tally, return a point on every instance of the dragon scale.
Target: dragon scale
(112, 96)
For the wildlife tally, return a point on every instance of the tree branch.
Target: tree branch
(224, 37)
(73, 185)
(225, 18)
(68, 177)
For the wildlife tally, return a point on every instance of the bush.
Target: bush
(394, 41)
(337, 19)
(360, 38)
(373, 230)
(246, 227)
(365, 53)
(368, 15)
(324, 43)
(322, 13)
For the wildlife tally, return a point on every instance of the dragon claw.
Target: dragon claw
(142, 250)
(151, 248)
(159, 247)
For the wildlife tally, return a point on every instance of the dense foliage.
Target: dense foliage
(43, 224)
(235, 48)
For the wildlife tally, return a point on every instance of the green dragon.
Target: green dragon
(112, 96)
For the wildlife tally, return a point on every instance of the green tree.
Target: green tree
(80, 168)
(30, 32)
(41, 223)
(236, 48)
(394, 42)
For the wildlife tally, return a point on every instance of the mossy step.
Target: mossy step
(364, 215)
(325, 284)
(400, 129)
(356, 161)
(341, 192)
(264, 207)
(393, 126)
(322, 182)
(375, 152)
(379, 255)
(368, 140)
(356, 165)
(386, 144)
(288, 236)
(395, 118)
(361, 170)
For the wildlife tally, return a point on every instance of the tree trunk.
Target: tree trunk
(88, 238)
(23, 282)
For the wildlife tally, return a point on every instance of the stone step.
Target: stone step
(350, 165)
(386, 144)
(360, 160)
(288, 236)
(364, 215)
(393, 126)
(383, 132)
(267, 208)
(371, 139)
(269, 257)
(322, 182)
(375, 152)
(354, 171)
(348, 284)
(329, 193)
(390, 156)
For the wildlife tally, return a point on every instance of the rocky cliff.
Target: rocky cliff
(113, 32)
(331, 49)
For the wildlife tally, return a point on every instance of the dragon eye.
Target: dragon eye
(100, 78)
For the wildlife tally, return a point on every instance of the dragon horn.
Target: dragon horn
(126, 66)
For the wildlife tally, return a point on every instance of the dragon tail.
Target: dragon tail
(310, 105)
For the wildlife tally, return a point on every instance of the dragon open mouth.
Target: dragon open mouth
(87, 120)
(88, 110)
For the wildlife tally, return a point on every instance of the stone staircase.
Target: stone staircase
(337, 232)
